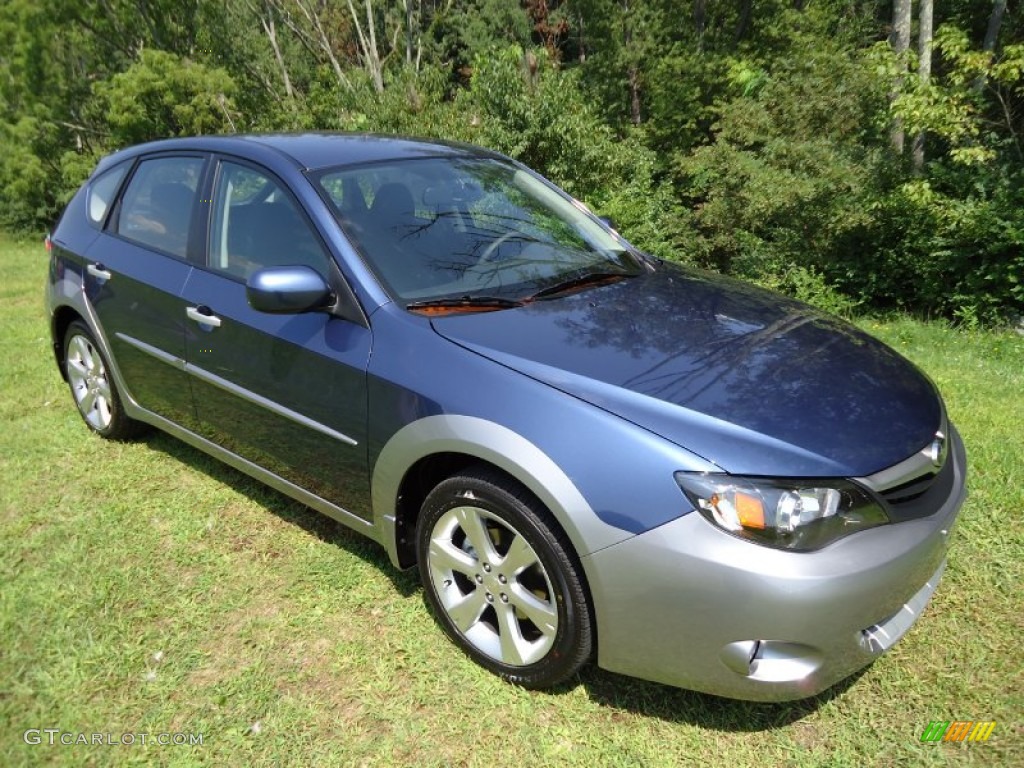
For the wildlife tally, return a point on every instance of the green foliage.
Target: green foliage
(951, 243)
(164, 95)
(524, 106)
(680, 95)
(24, 176)
(951, 106)
(749, 137)
(810, 286)
(462, 31)
(788, 174)
(535, 112)
(412, 103)
(938, 251)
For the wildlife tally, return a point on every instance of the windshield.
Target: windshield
(442, 228)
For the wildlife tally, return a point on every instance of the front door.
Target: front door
(287, 392)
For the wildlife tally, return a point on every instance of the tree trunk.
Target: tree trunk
(995, 21)
(368, 45)
(634, 94)
(924, 70)
(743, 25)
(899, 36)
(632, 70)
(582, 41)
(271, 30)
(899, 39)
(374, 56)
(700, 20)
(322, 39)
(408, 31)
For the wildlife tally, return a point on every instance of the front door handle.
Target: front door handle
(98, 271)
(203, 316)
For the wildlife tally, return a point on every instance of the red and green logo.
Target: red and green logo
(958, 730)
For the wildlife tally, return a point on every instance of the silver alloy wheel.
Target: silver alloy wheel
(493, 586)
(89, 384)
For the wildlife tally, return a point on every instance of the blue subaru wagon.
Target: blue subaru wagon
(587, 452)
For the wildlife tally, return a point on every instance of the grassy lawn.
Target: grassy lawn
(144, 588)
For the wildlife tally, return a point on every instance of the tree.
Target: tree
(368, 44)
(995, 21)
(924, 71)
(163, 95)
(899, 39)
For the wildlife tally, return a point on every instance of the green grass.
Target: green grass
(146, 588)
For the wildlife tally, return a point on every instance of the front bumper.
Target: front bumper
(689, 605)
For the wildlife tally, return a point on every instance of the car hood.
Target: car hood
(756, 383)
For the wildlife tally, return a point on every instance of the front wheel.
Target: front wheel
(92, 386)
(503, 580)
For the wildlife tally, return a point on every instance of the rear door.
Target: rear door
(287, 392)
(134, 274)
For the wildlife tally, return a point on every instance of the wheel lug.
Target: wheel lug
(487, 567)
(479, 579)
(504, 597)
(502, 579)
(490, 598)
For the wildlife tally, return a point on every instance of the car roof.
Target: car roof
(312, 151)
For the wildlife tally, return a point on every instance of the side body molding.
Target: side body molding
(497, 445)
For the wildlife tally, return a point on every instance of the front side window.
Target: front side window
(257, 225)
(438, 227)
(157, 207)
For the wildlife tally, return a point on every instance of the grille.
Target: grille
(921, 496)
(910, 490)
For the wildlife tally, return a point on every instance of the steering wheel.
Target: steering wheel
(486, 256)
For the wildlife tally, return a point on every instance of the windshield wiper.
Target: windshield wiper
(596, 277)
(462, 304)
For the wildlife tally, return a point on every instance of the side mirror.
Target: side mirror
(287, 290)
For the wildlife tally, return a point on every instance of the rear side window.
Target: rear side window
(156, 209)
(101, 193)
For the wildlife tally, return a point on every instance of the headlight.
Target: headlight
(797, 515)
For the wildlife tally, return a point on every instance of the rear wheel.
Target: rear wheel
(92, 386)
(503, 580)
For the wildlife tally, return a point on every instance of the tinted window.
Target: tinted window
(102, 191)
(157, 206)
(257, 225)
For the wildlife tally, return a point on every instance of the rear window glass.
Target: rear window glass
(101, 193)
(156, 209)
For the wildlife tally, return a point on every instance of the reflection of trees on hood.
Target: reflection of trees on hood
(735, 352)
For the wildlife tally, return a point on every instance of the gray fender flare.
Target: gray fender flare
(497, 445)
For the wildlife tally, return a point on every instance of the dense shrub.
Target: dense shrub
(789, 177)
(521, 104)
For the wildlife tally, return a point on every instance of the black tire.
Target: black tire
(93, 388)
(528, 576)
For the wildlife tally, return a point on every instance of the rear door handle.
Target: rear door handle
(203, 316)
(98, 271)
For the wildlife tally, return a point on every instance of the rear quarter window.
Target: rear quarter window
(101, 194)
